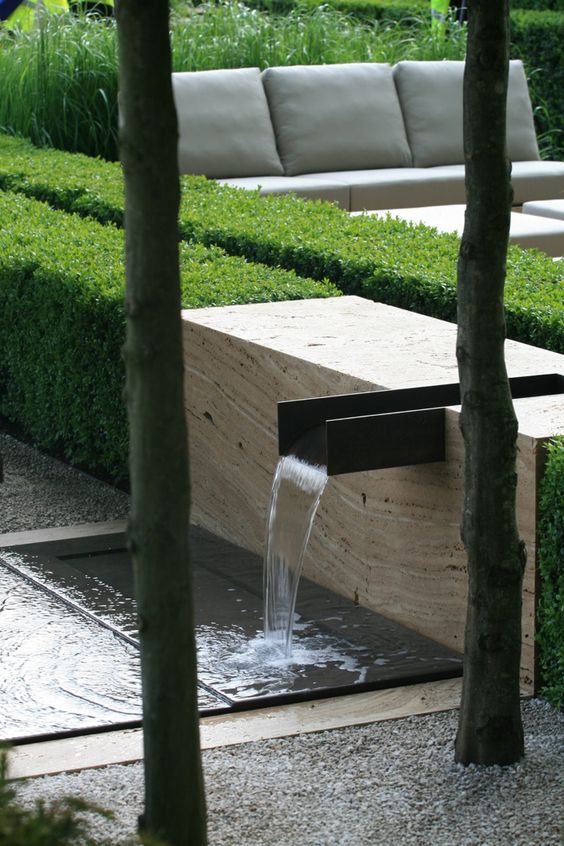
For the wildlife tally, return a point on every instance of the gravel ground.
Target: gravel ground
(39, 492)
(391, 783)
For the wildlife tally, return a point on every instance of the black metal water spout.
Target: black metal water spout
(371, 430)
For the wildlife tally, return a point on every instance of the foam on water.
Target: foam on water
(245, 667)
(296, 491)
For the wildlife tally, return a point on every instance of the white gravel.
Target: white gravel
(39, 492)
(391, 783)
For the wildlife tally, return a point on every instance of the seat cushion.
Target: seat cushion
(545, 208)
(537, 180)
(224, 124)
(309, 188)
(430, 94)
(336, 117)
(399, 187)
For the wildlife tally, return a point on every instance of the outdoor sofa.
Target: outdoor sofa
(364, 135)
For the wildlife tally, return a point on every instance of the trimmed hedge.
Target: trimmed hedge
(550, 615)
(412, 267)
(538, 39)
(63, 323)
(61, 301)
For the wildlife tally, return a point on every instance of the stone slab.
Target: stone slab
(388, 539)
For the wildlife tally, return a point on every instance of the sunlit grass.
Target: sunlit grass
(59, 82)
(232, 35)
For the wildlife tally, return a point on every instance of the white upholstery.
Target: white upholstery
(537, 180)
(336, 117)
(308, 187)
(430, 94)
(396, 187)
(521, 135)
(546, 208)
(224, 124)
(337, 133)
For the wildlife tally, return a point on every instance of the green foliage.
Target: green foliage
(412, 267)
(59, 84)
(550, 614)
(59, 81)
(233, 35)
(61, 300)
(57, 824)
(406, 12)
(538, 39)
(539, 5)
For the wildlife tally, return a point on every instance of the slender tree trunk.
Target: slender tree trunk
(490, 729)
(158, 529)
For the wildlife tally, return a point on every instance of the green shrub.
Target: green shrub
(62, 327)
(539, 5)
(538, 39)
(550, 614)
(386, 260)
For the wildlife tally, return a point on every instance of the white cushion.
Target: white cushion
(537, 180)
(545, 208)
(431, 93)
(224, 124)
(336, 117)
(402, 186)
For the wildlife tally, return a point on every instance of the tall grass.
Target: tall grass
(59, 82)
(233, 35)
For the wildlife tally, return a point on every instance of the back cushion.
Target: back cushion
(224, 124)
(430, 94)
(336, 117)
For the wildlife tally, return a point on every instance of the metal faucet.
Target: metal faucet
(371, 430)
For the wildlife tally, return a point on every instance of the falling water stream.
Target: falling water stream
(296, 492)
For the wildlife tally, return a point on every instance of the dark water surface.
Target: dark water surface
(69, 659)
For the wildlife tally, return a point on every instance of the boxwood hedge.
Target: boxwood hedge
(62, 325)
(538, 38)
(550, 619)
(412, 267)
(61, 291)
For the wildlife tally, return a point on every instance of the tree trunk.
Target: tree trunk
(490, 729)
(158, 528)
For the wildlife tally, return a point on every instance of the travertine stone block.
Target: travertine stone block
(390, 538)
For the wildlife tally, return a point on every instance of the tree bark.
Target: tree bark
(490, 729)
(159, 520)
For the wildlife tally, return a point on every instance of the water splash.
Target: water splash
(296, 491)
(244, 667)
